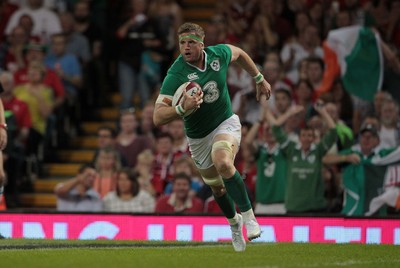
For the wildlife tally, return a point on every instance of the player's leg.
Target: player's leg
(224, 201)
(224, 149)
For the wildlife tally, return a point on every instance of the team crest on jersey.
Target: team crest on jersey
(311, 159)
(192, 76)
(215, 65)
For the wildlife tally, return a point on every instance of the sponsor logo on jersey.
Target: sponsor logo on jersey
(192, 76)
(215, 65)
(211, 92)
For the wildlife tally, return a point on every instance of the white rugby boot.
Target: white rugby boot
(253, 229)
(238, 242)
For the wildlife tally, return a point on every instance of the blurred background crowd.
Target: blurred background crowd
(60, 59)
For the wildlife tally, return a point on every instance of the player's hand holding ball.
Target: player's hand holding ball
(187, 98)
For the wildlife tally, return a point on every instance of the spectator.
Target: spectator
(39, 99)
(379, 98)
(184, 164)
(77, 194)
(343, 101)
(392, 28)
(274, 29)
(84, 25)
(107, 165)
(19, 108)
(304, 186)
(106, 138)
(351, 160)
(67, 67)
(46, 22)
(95, 83)
(216, 30)
(273, 70)
(76, 43)
(308, 44)
(364, 108)
(163, 162)
(146, 125)
(13, 57)
(130, 35)
(167, 15)
(239, 83)
(144, 170)
(180, 145)
(304, 96)
(26, 22)
(315, 72)
(128, 196)
(245, 105)
(129, 143)
(271, 168)
(65, 64)
(35, 51)
(283, 100)
(389, 132)
(179, 201)
(345, 134)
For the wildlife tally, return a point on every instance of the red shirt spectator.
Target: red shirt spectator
(51, 79)
(180, 201)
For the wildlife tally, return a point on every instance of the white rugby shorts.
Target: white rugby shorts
(201, 148)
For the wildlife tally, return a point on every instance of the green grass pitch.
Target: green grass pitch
(15, 253)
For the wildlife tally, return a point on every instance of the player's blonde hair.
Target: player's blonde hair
(189, 27)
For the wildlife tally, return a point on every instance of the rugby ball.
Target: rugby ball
(191, 88)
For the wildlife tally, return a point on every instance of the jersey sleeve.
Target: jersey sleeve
(225, 52)
(170, 85)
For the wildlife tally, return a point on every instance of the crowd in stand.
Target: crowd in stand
(57, 59)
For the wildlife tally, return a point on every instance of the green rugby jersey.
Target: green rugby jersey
(304, 185)
(271, 176)
(217, 105)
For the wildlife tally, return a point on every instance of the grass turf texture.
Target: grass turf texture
(103, 253)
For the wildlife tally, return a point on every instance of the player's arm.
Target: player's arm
(244, 60)
(164, 112)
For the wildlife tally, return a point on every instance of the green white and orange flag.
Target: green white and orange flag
(355, 54)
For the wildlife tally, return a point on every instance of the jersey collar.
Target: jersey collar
(205, 63)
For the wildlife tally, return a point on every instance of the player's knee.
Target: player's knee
(222, 146)
(222, 155)
(214, 182)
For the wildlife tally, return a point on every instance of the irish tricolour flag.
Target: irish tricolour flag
(354, 53)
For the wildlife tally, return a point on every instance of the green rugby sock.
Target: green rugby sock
(237, 191)
(226, 204)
